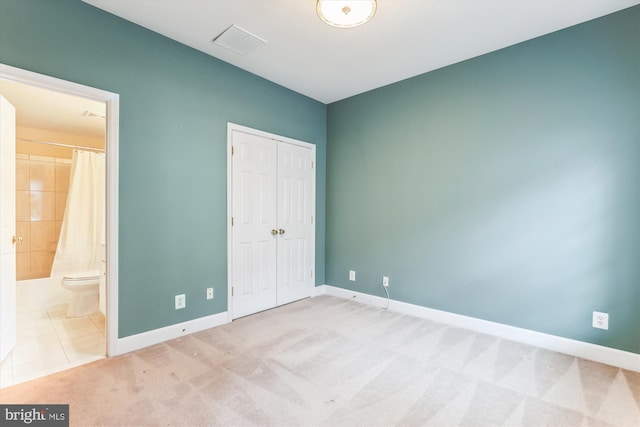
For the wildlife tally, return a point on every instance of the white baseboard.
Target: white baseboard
(598, 353)
(156, 336)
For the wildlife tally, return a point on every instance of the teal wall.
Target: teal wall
(175, 103)
(505, 187)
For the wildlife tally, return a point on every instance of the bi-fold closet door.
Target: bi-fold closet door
(272, 254)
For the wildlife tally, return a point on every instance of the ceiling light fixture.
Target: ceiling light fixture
(345, 13)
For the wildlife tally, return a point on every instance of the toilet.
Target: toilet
(85, 289)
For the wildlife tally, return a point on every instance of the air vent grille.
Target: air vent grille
(238, 40)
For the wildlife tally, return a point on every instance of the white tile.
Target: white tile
(43, 334)
(34, 328)
(100, 322)
(74, 327)
(34, 350)
(86, 347)
(48, 341)
(28, 318)
(49, 360)
(25, 314)
(58, 310)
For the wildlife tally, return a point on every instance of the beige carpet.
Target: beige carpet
(328, 361)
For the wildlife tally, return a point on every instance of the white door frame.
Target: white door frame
(235, 127)
(112, 143)
(7, 228)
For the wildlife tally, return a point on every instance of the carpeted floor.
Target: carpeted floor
(333, 362)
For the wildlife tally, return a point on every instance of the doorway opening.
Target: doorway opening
(58, 123)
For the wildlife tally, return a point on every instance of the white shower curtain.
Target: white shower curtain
(83, 224)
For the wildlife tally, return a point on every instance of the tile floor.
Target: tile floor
(48, 341)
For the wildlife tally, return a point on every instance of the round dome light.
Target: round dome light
(345, 13)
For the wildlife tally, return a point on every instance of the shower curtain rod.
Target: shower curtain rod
(58, 144)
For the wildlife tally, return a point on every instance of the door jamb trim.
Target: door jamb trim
(112, 101)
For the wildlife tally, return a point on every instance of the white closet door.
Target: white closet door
(295, 223)
(254, 217)
(272, 233)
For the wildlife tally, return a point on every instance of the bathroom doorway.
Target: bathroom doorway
(56, 122)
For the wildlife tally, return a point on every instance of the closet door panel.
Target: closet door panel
(254, 218)
(295, 223)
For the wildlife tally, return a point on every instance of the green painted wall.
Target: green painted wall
(505, 187)
(175, 103)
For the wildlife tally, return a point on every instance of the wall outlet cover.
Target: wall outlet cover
(600, 320)
(209, 293)
(181, 301)
(352, 275)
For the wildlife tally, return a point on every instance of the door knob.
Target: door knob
(16, 239)
(281, 231)
(274, 232)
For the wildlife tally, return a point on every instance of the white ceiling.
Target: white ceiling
(405, 38)
(49, 110)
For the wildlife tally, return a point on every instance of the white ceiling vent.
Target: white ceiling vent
(88, 113)
(238, 40)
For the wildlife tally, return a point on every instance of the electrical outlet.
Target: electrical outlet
(600, 320)
(209, 293)
(385, 281)
(181, 301)
(352, 275)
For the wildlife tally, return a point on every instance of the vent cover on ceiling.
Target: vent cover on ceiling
(88, 113)
(238, 40)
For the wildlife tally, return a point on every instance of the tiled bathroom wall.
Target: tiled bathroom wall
(41, 196)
